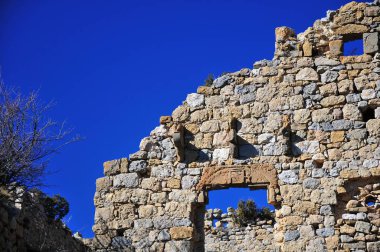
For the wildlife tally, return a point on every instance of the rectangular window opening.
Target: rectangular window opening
(353, 47)
(238, 207)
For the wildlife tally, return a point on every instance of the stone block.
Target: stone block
(329, 76)
(368, 94)
(221, 81)
(373, 246)
(221, 154)
(147, 211)
(372, 11)
(337, 136)
(189, 182)
(325, 232)
(151, 184)
(288, 177)
(195, 100)
(371, 42)
(363, 227)
(307, 74)
(173, 183)
(128, 180)
(322, 115)
(180, 114)
(138, 166)
(351, 112)
(291, 235)
(336, 47)
(373, 127)
(284, 33)
(103, 184)
(165, 119)
(181, 233)
(115, 166)
(311, 183)
(210, 126)
(350, 29)
(333, 101)
(323, 61)
(307, 48)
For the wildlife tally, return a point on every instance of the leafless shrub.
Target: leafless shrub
(27, 139)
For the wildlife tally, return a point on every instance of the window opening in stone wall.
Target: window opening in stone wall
(368, 114)
(371, 202)
(223, 209)
(353, 47)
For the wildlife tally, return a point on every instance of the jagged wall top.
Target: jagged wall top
(304, 125)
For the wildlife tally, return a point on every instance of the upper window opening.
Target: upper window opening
(353, 47)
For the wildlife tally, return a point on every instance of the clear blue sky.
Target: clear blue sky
(114, 67)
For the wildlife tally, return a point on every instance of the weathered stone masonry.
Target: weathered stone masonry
(305, 125)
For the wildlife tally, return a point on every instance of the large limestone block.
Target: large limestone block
(147, 211)
(103, 184)
(180, 233)
(371, 42)
(139, 166)
(336, 47)
(288, 177)
(126, 180)
(291, 193)
(323, 61)
(307, 74)
(329, 76)
(307, 48)
(284, 33)
(372, 11)
(221, 81)
(115, 166)
(104, 213)
(333, 101)
(210, 126)
(351, 29)
(180, 114)
(326, 197)
(195, 100)
(322, 115)
(351, 112)
(373, 127)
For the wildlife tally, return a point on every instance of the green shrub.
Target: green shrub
(247, 212)
(265, 214)
(55, 207)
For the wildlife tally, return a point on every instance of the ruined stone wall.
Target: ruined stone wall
(305, 125)
(24, 226)
(226, 235)
(252, 238)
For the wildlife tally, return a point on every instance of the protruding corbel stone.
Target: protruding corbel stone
(179, 142)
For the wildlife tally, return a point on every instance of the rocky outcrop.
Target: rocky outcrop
(305, 125)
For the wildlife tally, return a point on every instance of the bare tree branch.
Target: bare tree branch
(27, 138)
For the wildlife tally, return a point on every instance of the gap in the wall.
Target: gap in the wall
(368, 114)
(353, 47)
(230, 197)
